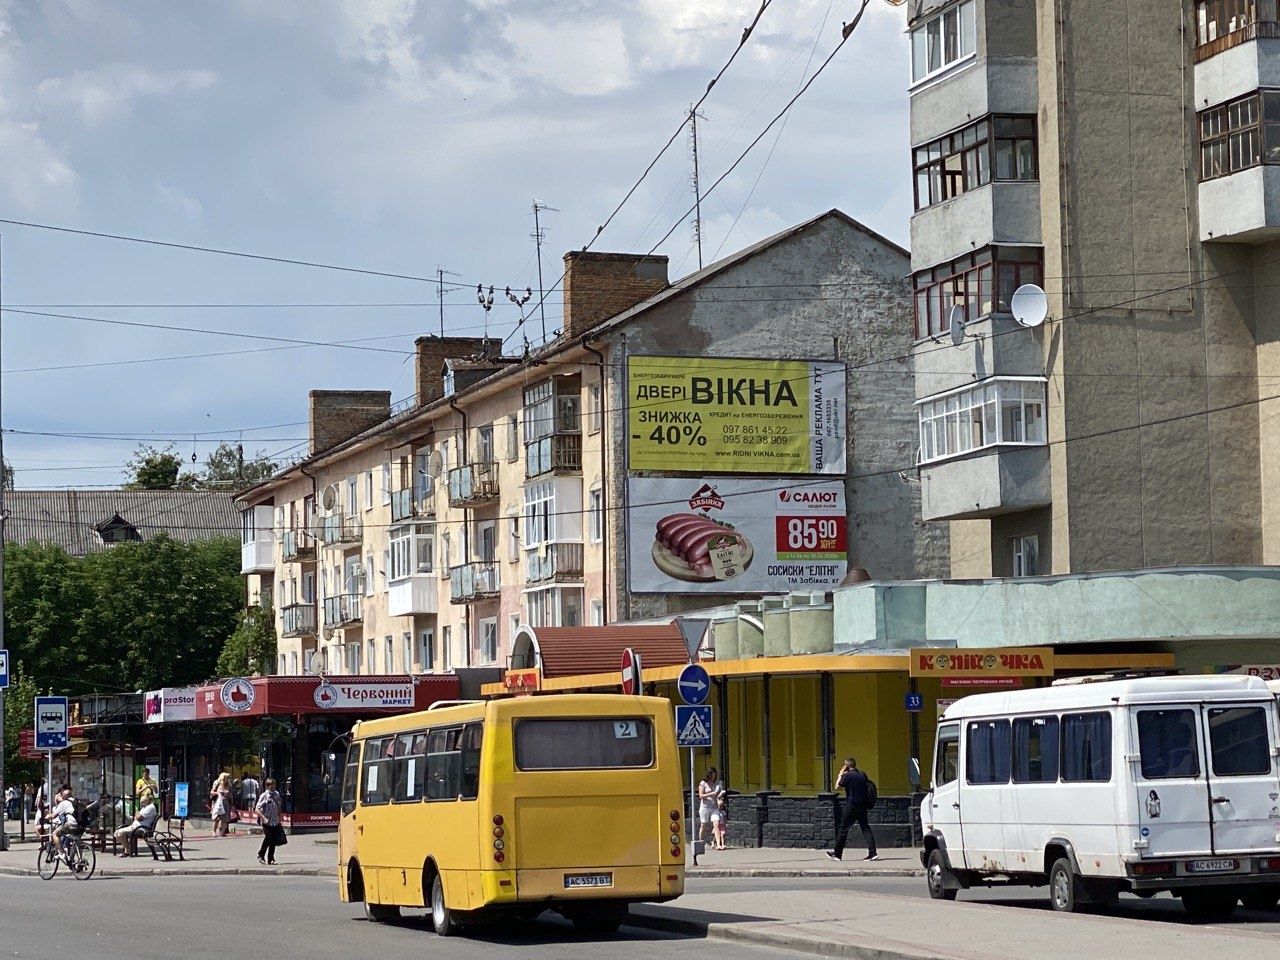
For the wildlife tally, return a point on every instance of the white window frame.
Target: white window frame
(964, 17)
(513, 438)
(389, 654)
(386, 484)
(597, 613)
(489, 640)
(513, 538)
(446, 553)
(539, 513)
(513, 624)
(427, 649)
(371, 655)
(368, 575)
(353, 485)
(1026, 555)
(485, 450)
(595, 515)
(368, 490)
(446, 647)
(973, 417)
(595, 407)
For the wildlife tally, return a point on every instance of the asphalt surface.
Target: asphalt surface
(146, 918)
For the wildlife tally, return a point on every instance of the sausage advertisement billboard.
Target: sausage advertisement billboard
(714, 535)
(725, 415)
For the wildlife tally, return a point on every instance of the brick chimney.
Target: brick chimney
(337, 415)
(598, 286)
(433, 351)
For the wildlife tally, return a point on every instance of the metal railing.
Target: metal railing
(411, 504)
(473, 581)
(338, 528)
(473, 484)
(298, 620)
(1258, 30)
(558, 452)
(296, 545)
(342, 609)
(554, 561)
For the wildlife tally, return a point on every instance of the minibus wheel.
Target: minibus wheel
(1209, 904)
(380, 912)
(441, 915)
(1064, 888)
(936, 874)
(1262, 898)
(599, 921)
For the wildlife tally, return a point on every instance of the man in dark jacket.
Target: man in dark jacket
(854, 783)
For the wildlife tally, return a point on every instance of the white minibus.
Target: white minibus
(1097, 786)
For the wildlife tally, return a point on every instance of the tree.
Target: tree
(8, 475)
(154, 469)
(19, 700)
(226, 468)
(252, 648)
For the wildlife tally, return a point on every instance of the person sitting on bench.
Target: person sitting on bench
(144, 823)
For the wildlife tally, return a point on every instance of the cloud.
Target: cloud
(35, 174)
(110, 92)
(182, 202)
(570, 56)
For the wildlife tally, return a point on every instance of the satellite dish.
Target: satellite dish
(327, 632)
(435, 465)
(895, 3)
(330, 496)
(955, 322)
(1029, 305)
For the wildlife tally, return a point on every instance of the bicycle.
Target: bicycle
(79, 857)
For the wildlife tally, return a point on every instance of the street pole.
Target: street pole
(4, 836)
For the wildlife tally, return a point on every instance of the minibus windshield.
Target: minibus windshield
(583, 744)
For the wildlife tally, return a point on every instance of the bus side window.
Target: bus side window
(405, 777)
(947, 763)
(443, 764)
(988, 753)
(375, 772)
(349, 774)
(471, 739)
(1086, 747)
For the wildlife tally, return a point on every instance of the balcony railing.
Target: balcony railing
(474, 484)
(342, 610)
(1258, 30)
(296, 545)
(298, 620)
(473, 581)
(338, 528)
(410, 504)
(555, 562)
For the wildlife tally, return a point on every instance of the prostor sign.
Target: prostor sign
(977, 662)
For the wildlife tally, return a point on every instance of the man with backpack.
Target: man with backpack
(860, 795)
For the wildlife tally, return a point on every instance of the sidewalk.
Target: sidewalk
(786, 862)
(868, 926)
(305, 855)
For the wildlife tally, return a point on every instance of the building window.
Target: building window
(352, 491)
(597, 613)
(1241, 134)
(367, 575)
(995, 147)
(595, 408)
(489, 641)
(446, 554)
(484, 444)
(412, 549)
(1225, 23)
(595, 515)
(371, 655)
(942, 41)
(386, 484)
(353, 657)
(513, 538)
(368, 490)
(987, 414)
(407, 651)
(514, 627)
(539, 514)
(981, 282)
(427, 654)
(1026, 556)
(554, 607)
(388, 655)
(283, 663)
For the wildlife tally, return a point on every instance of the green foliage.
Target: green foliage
(252, 648)
(225, 468)
(134, 617)
(154, 469)
(18, 703)
(6, 475)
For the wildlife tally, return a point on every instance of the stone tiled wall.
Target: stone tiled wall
(772, 820)
(339, 414)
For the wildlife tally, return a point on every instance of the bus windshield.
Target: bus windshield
(583, 744)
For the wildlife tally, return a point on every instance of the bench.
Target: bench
(167, 841)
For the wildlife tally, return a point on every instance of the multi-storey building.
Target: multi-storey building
(419, 537)
(1124, 158)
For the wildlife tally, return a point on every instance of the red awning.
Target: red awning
(572, 651)
(258, 696)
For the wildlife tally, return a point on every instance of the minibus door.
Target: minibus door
(1169, 777)
(943, 804)
(1244, 784)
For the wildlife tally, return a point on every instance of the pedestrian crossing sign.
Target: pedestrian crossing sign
(693, 726)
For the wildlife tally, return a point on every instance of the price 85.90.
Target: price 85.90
(811, 538)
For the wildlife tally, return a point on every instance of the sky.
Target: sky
(389, 135)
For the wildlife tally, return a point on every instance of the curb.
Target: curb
(726, 873)
(190, 872)
(751, 933)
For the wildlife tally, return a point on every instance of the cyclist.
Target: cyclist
(64, 816)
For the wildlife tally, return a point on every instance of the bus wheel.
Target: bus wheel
(1210, 905)
(1063, 887)
(1261, 898)
(599, 923)
(937, 872)
(380, 912)
(441, 915)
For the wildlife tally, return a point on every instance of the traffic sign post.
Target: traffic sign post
(4, 683)
(4, 669)
(632, 681)
(694, 684)
(51, 723)
(693, 730)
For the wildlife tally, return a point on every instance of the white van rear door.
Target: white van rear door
(1243, 778)
(1169, 775)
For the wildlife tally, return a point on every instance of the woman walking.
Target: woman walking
(220, 808)
(268, 811)
(710, 790)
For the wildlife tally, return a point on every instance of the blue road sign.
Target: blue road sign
(693, 726)
(51, 723)
(181, 800)
(4, 669)
(694, 684)
(915, 702)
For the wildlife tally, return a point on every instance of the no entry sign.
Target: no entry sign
(630, 671)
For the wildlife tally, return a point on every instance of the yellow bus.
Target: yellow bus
(571, 803)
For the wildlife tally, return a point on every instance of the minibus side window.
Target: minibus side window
(584, 743)
(987, 756)
(947, 764)
(409, 758)
(1086, 747)
(1238, 736)
(350, 772)
(444, 764)
(1167, 744)
(1035, 750)
(375, 772)
(471, 739)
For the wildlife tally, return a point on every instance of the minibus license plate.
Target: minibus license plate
(1211, 866)
(572, 880)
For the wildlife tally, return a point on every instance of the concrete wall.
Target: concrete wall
(987, 85)
(870, 319)
(1244, 206)
(1000, 212)
(1237, 71)
(986, 483)
(1266, 330)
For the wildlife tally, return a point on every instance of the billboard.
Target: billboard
(169, 704)
(725, 415)
(982, 664)
(711, 535)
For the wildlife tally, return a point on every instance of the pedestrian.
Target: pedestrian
(220, 808)
(267, 811)
(250, 787)
(710, 790)
(28, 801)
(145, 789)
(11, 802)
(857, 801)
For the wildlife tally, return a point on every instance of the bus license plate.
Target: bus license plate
(1212, 866)
(572, 880)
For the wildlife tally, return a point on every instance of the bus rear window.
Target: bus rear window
(584, 744)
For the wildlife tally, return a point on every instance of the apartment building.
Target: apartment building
(1126, 158)
(420, 537)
